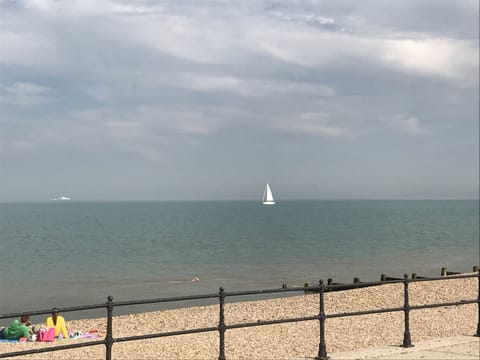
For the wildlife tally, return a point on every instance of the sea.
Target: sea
(67, 253)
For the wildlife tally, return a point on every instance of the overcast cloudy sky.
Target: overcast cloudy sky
(162, 100)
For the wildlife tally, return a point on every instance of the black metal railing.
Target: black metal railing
(223, 327)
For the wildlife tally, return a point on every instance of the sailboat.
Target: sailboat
(267, 198)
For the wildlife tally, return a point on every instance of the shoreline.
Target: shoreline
(291, 340)
(173, 305)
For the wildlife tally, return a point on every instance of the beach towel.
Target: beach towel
(90, 335)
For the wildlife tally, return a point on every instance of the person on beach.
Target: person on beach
(17, 329)
(58, 322)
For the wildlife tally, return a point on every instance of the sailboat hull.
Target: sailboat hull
(269, 203)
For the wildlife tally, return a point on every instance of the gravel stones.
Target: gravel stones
(283, 341)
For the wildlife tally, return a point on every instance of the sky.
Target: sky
(110, 100)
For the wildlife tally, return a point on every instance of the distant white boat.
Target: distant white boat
(267, 198)
(61, 198)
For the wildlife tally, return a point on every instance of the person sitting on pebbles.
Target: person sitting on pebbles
(58, 322)
(17, 329)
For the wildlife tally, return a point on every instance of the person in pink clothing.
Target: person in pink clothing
(58, 322)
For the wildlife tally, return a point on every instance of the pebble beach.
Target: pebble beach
(283, 341)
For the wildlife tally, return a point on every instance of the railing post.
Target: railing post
(322, 348)
(109, 337)
(407, 341)
(221, 325)
(478, 305)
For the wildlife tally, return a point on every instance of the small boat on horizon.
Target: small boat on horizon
(61, 198)
(267, 198)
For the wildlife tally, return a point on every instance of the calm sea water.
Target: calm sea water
(70, 253)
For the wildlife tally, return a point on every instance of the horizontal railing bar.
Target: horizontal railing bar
(271, 322)
(428, 306)
(364, 312)
(162, 300)
(52, 348)
(165, 334)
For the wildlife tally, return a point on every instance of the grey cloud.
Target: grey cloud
(439, 18)
(213, 90)
(409, 125)
(25, 94)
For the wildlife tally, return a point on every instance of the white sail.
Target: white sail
(268, 196)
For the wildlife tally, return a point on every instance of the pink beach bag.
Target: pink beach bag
(46, 334)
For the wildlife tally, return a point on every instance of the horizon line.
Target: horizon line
(232, 200)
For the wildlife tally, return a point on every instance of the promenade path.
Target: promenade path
(450, 348)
